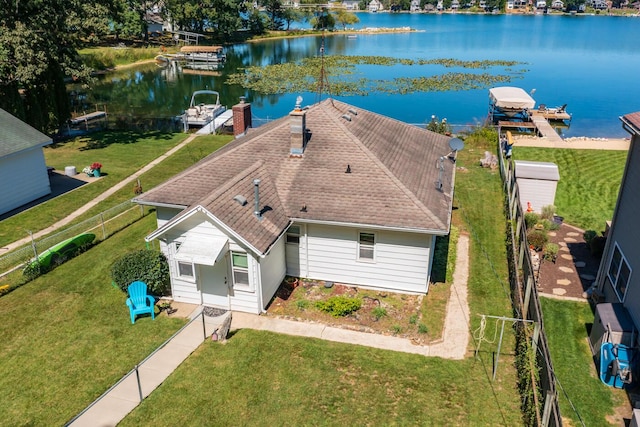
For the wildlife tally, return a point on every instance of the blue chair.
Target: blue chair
(139, 302)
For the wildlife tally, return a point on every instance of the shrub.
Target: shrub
(537, 239)
(531, 219)
(149, 266)
(588, 236)
(422, 328)
(339, 306)
(396, 329)
(302, 304)
(413, 319)
(548, 212)
(379, 312)
(546, 224)
(550, 252)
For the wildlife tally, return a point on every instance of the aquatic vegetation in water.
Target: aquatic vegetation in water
(304, 76)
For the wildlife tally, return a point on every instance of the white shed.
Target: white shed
(23, 172)
(537, 182)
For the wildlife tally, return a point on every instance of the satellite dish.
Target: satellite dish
(456, 144)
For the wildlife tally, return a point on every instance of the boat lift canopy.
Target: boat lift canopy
(512, 98)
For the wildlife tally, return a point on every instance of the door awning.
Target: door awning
(202, 250)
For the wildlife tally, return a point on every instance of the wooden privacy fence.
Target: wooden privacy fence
(526, 304)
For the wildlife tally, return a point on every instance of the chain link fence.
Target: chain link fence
(102, 225)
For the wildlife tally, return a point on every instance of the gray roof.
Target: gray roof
(16, 135)
(537, 170)
(392, 183)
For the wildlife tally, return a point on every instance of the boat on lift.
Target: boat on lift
(204, 107)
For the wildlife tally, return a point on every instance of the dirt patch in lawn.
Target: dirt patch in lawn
(415, 317)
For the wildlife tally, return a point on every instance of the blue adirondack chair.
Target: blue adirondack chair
(139, 302)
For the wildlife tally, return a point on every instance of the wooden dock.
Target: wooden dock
(545, 129)
(215, 124)
(86, 118)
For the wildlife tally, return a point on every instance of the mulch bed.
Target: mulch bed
(575, 268)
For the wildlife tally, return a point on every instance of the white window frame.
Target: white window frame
(180, 264)
(293, 235)
(614, 276)
(366, 246)
(239, 269)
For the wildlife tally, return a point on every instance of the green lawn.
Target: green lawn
(566, 323)
(121, 154)
(67, 336)
(589, 182)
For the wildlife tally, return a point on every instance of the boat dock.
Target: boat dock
(215, 124)
(86, 118)
(538, 122)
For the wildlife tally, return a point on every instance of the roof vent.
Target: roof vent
(348, 169)
(352, 111)
(241, 200)
(346, 117)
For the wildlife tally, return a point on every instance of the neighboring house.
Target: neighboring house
(455, 4)
(351, 4)
(331, 192)
(440, 5)
(375, 6)
(510, 4)
(619, 276)
(541, 4)
(415, 6)
(23, 172)
(557, 4)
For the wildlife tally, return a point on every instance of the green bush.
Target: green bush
(550, 251)
(537, 239)
(302, 304)
(531, 219)
(596, 246)
(588, 236)
(413, 319)
(339, 306)
(149, 266)
(548, 212)
(422, 328)
(379, 312)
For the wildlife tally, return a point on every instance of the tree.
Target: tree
(345, 18)
(275, 12)
(39, 42)
(323, 21)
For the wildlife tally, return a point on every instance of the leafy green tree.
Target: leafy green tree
(275, 12)
(39, 42)
(344, 18)
(256, 22)
(323, 21)
(292, 14)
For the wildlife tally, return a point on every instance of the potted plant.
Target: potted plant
(95, 167)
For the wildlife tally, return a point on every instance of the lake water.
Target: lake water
(590, 63)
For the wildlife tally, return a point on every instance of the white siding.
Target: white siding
(539, 192)
(296, 255)
(272, 271)
(23, 178)
(163, 215)
(401, 259)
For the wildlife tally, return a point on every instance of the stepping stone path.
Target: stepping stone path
(570, 240)
(566, 269)
(559, 291)
(563, 244)
(566, 256)
(573, 233)
(563, 282)
(564, 248)
(552, 234)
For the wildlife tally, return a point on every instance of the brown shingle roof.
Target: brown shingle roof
(394, 171)
(633, 119)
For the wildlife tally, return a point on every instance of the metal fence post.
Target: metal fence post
(33, 245)
(204, 328)
(139, 386)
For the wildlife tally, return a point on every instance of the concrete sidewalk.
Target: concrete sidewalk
(125, 395)
(455, 335)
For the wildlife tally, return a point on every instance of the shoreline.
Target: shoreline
(575, 142)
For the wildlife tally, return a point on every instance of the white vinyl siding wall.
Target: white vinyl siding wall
(538, 192)
(23, 178)
(273, 270)
(401, 259)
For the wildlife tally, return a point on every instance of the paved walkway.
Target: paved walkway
(125, 395)
(116, 187)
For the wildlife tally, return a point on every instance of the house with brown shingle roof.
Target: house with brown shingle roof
(331, 192)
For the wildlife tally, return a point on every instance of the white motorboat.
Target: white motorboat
(203, 108)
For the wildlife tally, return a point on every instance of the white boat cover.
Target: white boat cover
(511, 98)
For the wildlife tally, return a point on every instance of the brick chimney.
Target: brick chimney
(241, 117)
(297, 119)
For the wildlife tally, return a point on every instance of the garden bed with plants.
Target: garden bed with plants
(360, 309)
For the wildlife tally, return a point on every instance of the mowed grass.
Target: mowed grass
(589, 182)
(270, 379)
(66, 337)
(566, 323)
(263, 378)
(121, 154)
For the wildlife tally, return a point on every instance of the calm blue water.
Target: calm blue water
(590, 63)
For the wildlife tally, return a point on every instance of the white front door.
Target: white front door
(214, 286)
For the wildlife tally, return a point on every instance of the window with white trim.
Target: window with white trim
(366, 246)
(619, 272)
(185, 269)
(240, 267)
(293, 235)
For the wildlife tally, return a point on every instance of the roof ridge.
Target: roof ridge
(410, 194)
(230, 183)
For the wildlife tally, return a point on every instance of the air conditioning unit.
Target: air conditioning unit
(612, 323)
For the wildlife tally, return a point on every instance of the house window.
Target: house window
(293, 235)
(619, 272)
(366, 246)
(185, 270)
(240, 267)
